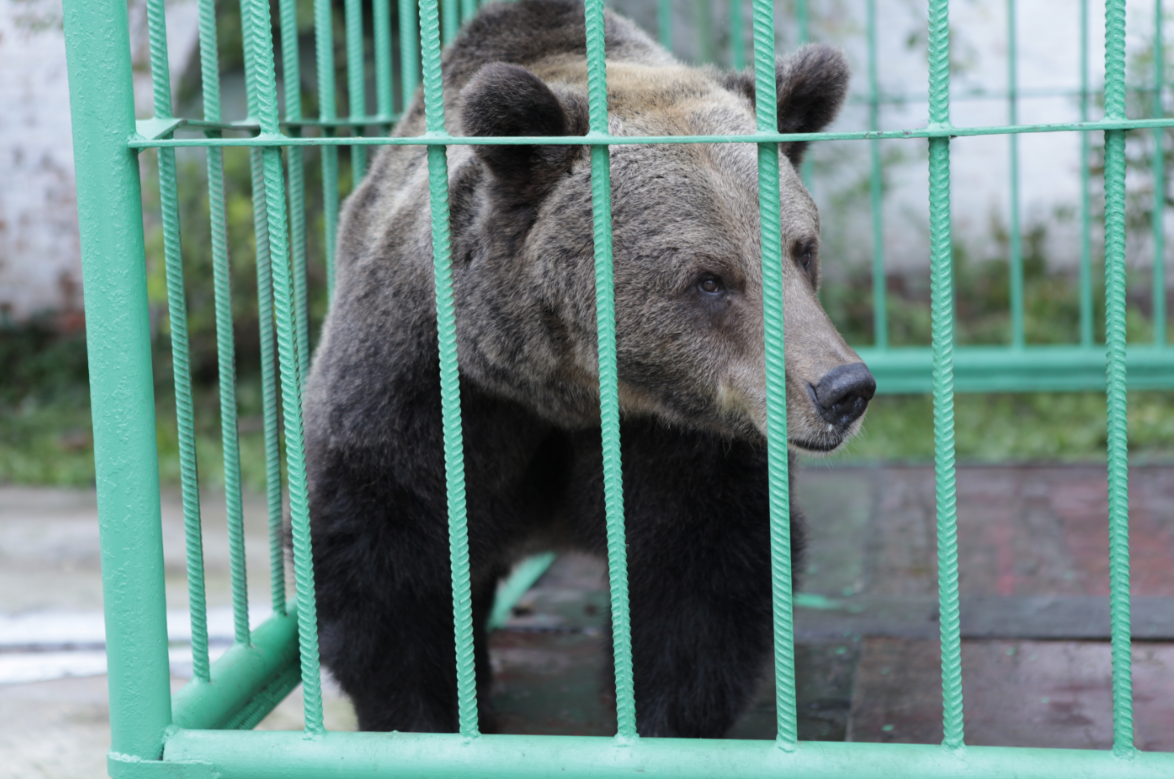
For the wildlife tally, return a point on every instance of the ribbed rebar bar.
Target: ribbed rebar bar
(225, 342)
(776, 383)
(180, 352)
(450, 398)
(297, 217)
(942, 311)
(1116, 387)
(609, 403)
(260, 70)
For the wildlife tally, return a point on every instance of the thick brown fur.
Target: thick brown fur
(688, 287)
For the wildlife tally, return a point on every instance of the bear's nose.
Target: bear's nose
(843, 393)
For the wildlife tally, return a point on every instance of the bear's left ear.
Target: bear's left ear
(508, 100)
(812, 84)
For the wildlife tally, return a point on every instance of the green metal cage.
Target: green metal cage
(204, 730)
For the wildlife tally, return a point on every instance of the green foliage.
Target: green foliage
(1051, 312)
(1014, 427)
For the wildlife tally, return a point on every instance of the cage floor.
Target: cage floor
(1034, 583)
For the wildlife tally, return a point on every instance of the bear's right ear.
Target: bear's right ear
(509, 100)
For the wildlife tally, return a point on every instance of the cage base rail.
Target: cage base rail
(291, 755)
(1032, 369)
(247, 681)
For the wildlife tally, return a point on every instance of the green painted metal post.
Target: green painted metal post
(384, 94)
(356, 88)
(737, 36)
(942, 304)
(409, 47)
(1116, 396)
(664, 23)
(110, 220)
(880, 319)
(803, 23)
(1015, 265)
(327, 113)
(1086, 328)
(1158, 218)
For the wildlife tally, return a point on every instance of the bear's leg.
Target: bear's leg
(697, 523)
(399, 668)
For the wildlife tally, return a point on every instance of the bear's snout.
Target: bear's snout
(842, 395)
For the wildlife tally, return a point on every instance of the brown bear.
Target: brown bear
(688, 291)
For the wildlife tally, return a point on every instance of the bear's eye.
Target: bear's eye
(710, 284)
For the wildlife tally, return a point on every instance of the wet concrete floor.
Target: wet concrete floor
(1034, 585)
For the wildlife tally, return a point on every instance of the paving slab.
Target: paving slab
(1015, 693)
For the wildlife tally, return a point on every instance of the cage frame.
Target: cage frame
(198, 732)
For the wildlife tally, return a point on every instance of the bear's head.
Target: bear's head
(687, 250)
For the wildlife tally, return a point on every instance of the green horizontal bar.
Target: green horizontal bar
(1000, 369)
(512, 589)
(611, 140)
(290, 755)
(243, 678)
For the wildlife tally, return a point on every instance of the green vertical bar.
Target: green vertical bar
(297, 217)
(384, 99)
(1086, 336)
(880, 319)
(450, 20)
(259, 51)
(664, 23)
(1016, 259)
(273, 498)
(265, 319)
(356, 89)
(118, 343)
(609, 399)
(450, 397)
(409, 49)
(324, 49)
(1115, 371)
(468, 9)
(776, 382)
(737, 36)
(703, 29)
(802, 21)
(225, 346)
(1159, 168)
(180, 353)
(942, 297)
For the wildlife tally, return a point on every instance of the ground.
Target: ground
(1034, 581)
